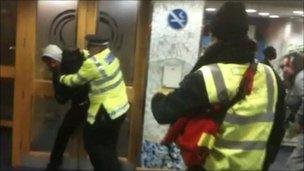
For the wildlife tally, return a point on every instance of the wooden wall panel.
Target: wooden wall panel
(24, 74)
(7, 71)
(86, 24)
(140, 79)
(92, 9)
(6, 123)
(86, 20)
(43, 88)
(81, 21)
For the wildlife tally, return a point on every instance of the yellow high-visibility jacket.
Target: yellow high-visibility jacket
(107, 86)
(243, 136)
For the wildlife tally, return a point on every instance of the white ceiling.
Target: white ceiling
(278, 7)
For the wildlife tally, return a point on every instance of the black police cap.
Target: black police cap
(93, 39)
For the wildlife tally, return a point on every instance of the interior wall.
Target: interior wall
(176, 49)
(284, 35)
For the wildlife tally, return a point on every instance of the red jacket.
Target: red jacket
(194, 136)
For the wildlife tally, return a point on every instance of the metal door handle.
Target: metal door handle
(12, 48)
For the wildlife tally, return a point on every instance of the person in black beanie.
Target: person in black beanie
(269, 54)
(252, 128)
(231, 45)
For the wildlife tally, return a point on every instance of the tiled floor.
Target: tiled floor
(5, 155)
(279, 164)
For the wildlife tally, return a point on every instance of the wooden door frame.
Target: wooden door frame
(25, 70)
(24, 77)
(136, 92)
(143, 32)
(26, 85)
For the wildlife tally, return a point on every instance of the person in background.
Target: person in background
(243, 139)
(269, 54)
(66, 62)
(108, 103)
(293, 73)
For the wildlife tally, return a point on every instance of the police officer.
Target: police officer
(66, 62)
(108, 103)
(246, 126)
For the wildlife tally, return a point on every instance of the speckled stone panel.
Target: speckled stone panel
(168, 47)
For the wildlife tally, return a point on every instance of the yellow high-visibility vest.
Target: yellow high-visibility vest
(242, 139)
(107, 86)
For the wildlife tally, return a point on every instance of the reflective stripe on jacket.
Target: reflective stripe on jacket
(243, 136)
(107, 86)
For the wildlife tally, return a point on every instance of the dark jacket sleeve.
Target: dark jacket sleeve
(191, 96)
(71, 62)
(278, 129)
(59, 90)
(64, 93)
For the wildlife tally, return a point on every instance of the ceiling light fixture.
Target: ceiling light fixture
(263, 13)
(298, 12)
(274, 16)
(210, 9)
(251, 10)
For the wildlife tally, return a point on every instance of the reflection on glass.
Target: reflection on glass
(117, 21)
(56, 24)
(5, 147)
(8, 32)
(6, 98)
(46, 119)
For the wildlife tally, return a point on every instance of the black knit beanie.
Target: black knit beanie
(230, 22)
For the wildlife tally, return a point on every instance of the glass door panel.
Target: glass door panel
(6, 98)
(117, 21)
(46, 119)
(55, 24)
(7, 63)
(8, 32)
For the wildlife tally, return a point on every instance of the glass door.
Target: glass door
(38, 114)
(127, 25)
(7, 70)
(117, 21)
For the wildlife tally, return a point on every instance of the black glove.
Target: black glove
(59, 89)
(156, 111)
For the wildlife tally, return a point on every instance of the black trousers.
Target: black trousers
(72, 119)
(100, 140)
